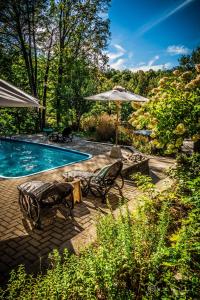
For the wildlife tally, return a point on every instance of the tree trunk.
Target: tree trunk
(44, 98)
(59, 92)
(60, 67)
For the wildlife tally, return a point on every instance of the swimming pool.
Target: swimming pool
(22, 158)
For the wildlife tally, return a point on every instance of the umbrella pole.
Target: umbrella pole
(118, 104)
(116, 150)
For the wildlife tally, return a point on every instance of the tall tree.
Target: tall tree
(82, 32)
(19, 21)
(50, 33)
(188, 62)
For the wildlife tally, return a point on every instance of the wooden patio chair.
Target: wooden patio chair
(100, 182)
(64, 137)
(33, 195)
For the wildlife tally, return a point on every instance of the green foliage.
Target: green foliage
(188, 62)
(125, 136)
(89, 123)
(103, 126)
(105, 129)
(54, 50)
(144, 183)
(18, 120)
(142, 143)
(187, 167)
(177, 110)
(173, 112)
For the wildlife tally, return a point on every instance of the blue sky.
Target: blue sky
(152, 33)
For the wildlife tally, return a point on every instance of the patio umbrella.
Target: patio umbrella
(11, 96)
(119, 95)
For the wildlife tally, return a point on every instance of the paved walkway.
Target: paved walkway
(20, 244)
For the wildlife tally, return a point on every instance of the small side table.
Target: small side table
(76, 183)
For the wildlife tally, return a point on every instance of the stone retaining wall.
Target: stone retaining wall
(142, 167)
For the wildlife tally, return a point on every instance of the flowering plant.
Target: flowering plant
(173, 113)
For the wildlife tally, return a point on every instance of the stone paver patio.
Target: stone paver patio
(20, 244)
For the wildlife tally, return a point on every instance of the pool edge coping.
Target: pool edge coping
(46, 145)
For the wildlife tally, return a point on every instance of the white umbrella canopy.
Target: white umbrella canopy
(119, 95)
(11, 96)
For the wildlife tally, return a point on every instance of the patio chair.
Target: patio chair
(100, 182)
(67, 135)
(64, 137)
(47, 130)
(34, 195)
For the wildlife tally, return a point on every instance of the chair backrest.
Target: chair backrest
(110, 173)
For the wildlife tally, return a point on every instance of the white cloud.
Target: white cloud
(116, 59)
(120, 59)
(119, 53)
(153, 60)
(177, 50)
(151, 67)
(120, 48)
(142, 63)
(119, 64)
(163, 17)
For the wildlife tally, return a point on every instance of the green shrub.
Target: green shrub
(89, 123)
(125, 136)
(172, 112)
(105, 129)
(141, 143)
(103, 126)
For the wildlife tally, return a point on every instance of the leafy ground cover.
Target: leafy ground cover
(153, 253)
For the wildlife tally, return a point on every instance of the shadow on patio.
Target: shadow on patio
(31, 247)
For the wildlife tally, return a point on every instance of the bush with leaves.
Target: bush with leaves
(18, 120)
(88, 123)
(105, 129)
(102, 126)
(173, 112)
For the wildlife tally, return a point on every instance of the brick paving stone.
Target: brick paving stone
(12, 244)
(46, 244)
(45, 251)
(55, 241)
(34, 243)
(56, 235)
(32, 249)
(30, 257)
(45, 239)
(19, 261)
(19, 232)
(6, 259)
(38, 237)
(19, 254)
(24, 241)
(8, 236)
(10, 251)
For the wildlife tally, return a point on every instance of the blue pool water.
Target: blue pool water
(20, 158)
